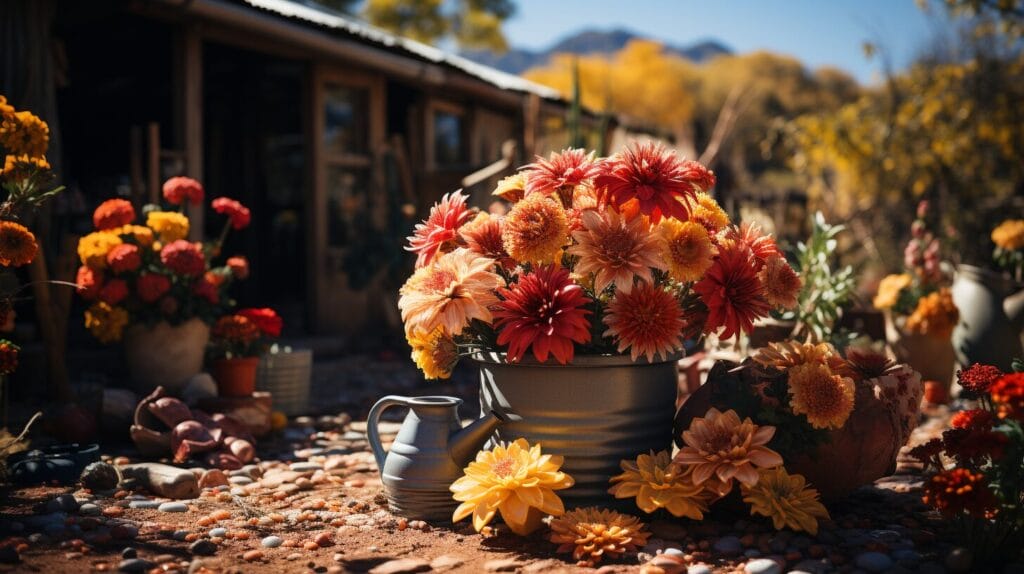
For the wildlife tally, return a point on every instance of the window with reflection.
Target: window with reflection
(346, 117)
(449, 139)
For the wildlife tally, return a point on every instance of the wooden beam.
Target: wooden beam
(192, 117)
(153, 161)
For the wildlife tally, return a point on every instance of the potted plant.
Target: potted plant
(150, 286)
(238, 342)
(576, 303)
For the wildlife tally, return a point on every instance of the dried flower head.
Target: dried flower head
(592, 534)
(787, 499)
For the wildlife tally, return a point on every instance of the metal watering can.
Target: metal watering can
(428, 454)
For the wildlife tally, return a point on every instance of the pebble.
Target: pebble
(699, 569)
(305, 466)
(129, 552)
(813, 566)
(203, 547)
(401, 566)
(173, 507)
(213, 477)
(271, 542)
(762, 566)
(253, 555)
(89, 509)
(502, 565)
(144, 504)
(728, 545)
(873, 561)
(218, 532)
(240, 480)
(135, 565)
(959, 560)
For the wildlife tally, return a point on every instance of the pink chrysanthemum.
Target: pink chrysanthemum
(543, 311)
(647, 321)
(561, 172)
(452, 291)
(440, 230)
(732, 291)
(662, 184)
(781, 283)
(616, 250)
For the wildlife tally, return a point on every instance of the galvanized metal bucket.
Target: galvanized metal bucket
(595, 412)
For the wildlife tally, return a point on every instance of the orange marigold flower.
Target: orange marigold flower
(439, 232)
(89, 282)
(958, 491)
(781, 283)
(152, 286)
(935, 315)
(1009, 235)
(239, 266)
(561, 173)
(113, 213)
(1008, 394)
(721, 446)
(826, 399)
(183, 257)
(124, 258)
(17, 244)
(889, 290)
(8, 357)
(435, 353)
(23, 133)
(687, 249)
(178, 190)
(237, 213)
(732, 291)
(535, 230)
(647, 321)
(19, 167)
(972, 419)
(615, 250)
(656, 482)
(978, 378)
(452, 291)
(543, 311)
(113, 291)
(235, 329)
(662, 184)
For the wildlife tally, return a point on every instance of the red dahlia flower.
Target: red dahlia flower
(544, 310)
(266, 319)
(973, 419)
(178, 190)
(732, 291)
(562, 171)
(440, 228)
(183, 257)
(152, 286)
(662, 184)
(761, 244)
(113, 213)
(236, 212)
(124, 258)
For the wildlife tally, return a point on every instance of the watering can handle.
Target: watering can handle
(373, 419)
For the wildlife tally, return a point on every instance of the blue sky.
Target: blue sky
(818, 32)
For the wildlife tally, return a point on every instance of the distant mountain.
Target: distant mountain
(518, 60)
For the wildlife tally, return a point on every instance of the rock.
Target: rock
(144, 504)
(173, 507)
(762, 566)
(199, 387)
(873, 561)
(218, 532)
(240, 480)
(252, 555)
(135, 565)
(699, 569)
(271, 542)
(89, 509)
(728, 545)
(959, 560)
(203, 547)
(213, 477)
(446, 562)
(164, 480)
(502, 565)
(305, 466)
(401, 566)
(99, 475)
(129, 552)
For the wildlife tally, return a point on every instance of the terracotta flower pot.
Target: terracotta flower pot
(930, 355)
(164, 355)
(236, 377)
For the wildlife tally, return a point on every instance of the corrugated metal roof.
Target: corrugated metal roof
(326, 18)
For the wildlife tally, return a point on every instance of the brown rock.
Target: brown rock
(401, 566)
(502, 565)
(446, 562)
(164, 480)
(213, 477)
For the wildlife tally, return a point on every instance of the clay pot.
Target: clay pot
(163, 355)
(236, 377)
(930, 355)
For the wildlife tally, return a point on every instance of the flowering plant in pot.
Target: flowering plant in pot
(149, 281)
(237, 343)
(583, 293)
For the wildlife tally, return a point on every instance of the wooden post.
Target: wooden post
(153, 161)
(192, 87)
(531, 125)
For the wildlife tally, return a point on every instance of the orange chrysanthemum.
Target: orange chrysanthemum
(647, 321)
(974, 419)
(781, 283)
(113, 213)
(708, 213)
(19, 167)
(592, 534)
(483, 236)
(732, 291)
(688, 250)
(935, 314)
(615, 250)
(560, 173)
(450, 292)
(17, 244)
(662, 184)
(785, 355)
(825, 398)
(656, 482)
(89, 282)
(178, 190)
(440, 230)
(535, 230)
(761, 244)
(720, 446)
(124, 258)
(787, 499)
(435, 353)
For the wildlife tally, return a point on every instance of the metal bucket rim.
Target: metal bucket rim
(580, 361)
(433, 401)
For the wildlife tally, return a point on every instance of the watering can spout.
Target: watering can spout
(464, 444)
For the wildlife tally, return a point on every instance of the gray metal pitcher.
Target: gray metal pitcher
(428, 454)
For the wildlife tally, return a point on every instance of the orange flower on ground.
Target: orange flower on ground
(113, 213)
(440, 230)
(511, 188)
(450, 292)
(434, 353)
(662, 184)
(889, 290)
(781, 283)
(239, 266)
(732, 291)
(648, 321)
(178, 190)
(958, 491)
(687, 249)
(124, 258)
(236, 329)
(825, 398)
(1009, 235)
(89, 282)
(723, 447)
(786, 499)
(978, 378)
(113, 291)
(238, 214)
(1008, 395)
(483, 236)
(560, 173)
(515, 479)
(935, 315)
(152, 286)
(592, 534)
(8, 357)
(544, 312)
(615, 250)
(183, 257)
(535, 230)
(657, 482)
(17, 244)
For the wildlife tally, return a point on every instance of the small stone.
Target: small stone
(502, 565)
(144, 504)
(762, 566)
(173, 507)
(203, 547)
(164, 480)
(401, 566)
(240, 480)
(89, 509)
(213, 477)
(129, 552)
(959, 560)
(218, 532)
(271, 542)
(699, 569)
(135, 565)
(873, 561)
(253, 555)
(752, 553)
(813, 566)
(446, 562)
(305, 466)
(99, 476)
(728, 545)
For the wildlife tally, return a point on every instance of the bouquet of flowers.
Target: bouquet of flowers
(1009, 252)
(150, 273)
(244, 333)
(624, 254)
(920, 299)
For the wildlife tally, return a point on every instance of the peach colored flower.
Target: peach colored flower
(723, 447)
(616, 250)
(535, 230)
(687, 249)
(825, 398)
(511, 188)
(440, 230)
(452, 291)
(647, 321)
(781, 283)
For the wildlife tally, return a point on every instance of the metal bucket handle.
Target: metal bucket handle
(373, 419)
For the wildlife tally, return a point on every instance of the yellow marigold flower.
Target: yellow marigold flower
(687, 249)
(142, 235)
(18, 167)
(1009, 235)
(825, 398)
(708, 213)
(721, 447)
(535, 230)
(594, 533)
(17, 244)
(889, 290)
(169, 225)
(93, 248)
(511, 188)
(657, 482)
(105, 322)
(23, 133)
(786, 499)
(515, 479)
(935, 314)
(435, 352)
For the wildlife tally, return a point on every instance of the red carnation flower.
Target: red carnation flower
(113, 213)
(114, 291)
(124, 258)
(960, 490)
(662, 184)
(268, 321)
(206, 289)
(732, 291)
(440, 229)
(975, 419)
(1008, 394)
(89, 282)
(543, 311)
(563, 171)
(978, 378)
(236, 212)
(183, 257)
(152, 286)
(179, 189)
(239, 266)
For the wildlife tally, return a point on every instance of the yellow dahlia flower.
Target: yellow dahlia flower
(786, 499)
(687, 249)
(657, 482)
(720, 446)
(889, 290)
(515, 479)
(593, 533)
(105, 322)
(171, 226)
(535, 230)
(1009, 235)
(93, 248)
(825, 398)
(435, 352)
